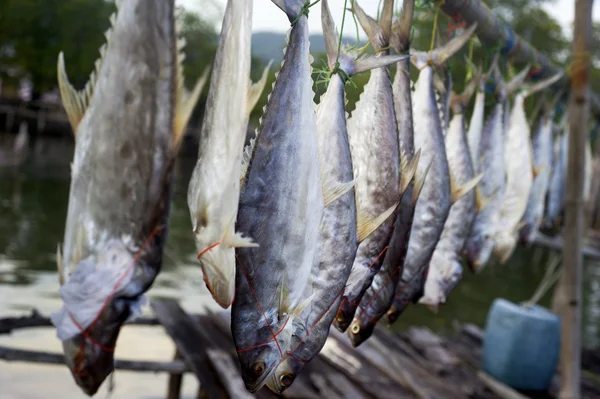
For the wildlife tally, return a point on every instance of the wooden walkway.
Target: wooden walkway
(414, 364)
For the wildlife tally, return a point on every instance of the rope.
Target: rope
(273, 335)
(550, 277)
(510, 42)
(304, 11)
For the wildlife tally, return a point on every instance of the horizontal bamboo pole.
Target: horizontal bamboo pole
(492, 30)
(22, 355)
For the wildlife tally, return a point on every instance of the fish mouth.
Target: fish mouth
(257, 366)
(360, 332)
(90, 364)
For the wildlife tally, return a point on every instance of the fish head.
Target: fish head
(344, 315)
(258, 364)
(99, 296)
(218, 267)
(361, 329)
(90, 355)
(504, 247)
(285, 374)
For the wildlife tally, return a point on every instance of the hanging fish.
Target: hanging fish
(128, 121)
(339, 235)
(375, 148)
(477, 117)
(281, 207)
(555, 200)
(378, 298)
(520, 172)
(439, 190)
(480, 243)
(214, 187)
(541, 143)
(445, 269)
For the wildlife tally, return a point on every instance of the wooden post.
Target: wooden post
(175, 379)
(570, 283)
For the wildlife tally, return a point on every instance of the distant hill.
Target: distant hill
(269, 45)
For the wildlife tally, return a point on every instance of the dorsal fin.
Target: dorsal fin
(76, 102)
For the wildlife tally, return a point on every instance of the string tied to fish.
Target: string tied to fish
(304, 11)
(87, 332)
(274, 334)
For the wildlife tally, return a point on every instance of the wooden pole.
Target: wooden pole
(570, 284)
(491, 31)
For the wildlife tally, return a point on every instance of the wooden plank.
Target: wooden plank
(359, 369)
(192, 343)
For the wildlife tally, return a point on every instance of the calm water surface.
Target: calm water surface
(33, 206)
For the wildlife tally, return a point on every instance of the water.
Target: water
(33, 204)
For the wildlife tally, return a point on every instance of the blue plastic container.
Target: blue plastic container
(521, 345)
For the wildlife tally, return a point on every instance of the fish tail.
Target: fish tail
(292, 8)
(400, 37)
(441, 54)
(378, 32)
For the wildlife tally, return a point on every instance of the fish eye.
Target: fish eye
(339, 318)
(355, 329)
(286, 380)
(258, 369)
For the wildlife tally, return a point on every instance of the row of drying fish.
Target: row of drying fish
(324, 218)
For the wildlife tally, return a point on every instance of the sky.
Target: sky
(271, 18)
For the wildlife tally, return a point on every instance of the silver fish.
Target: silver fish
(375, 148)
(480, 243)
(477, 117)
(281, 206)
(214, 187)
(380, 294)
(555, 200)
(542, 156)
(339, 235)
(445, 269)
(518, 162)
(128, 123)
(438, 192)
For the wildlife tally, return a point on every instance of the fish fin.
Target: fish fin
(330, 34)
(246, 158)
(400, 37)
(419, 182)
(439, 55)
(517, 82)
(543, 84)
(333, 190)
(74, 102)
(298, 309)
(366, 226)
(368, 24)
(185, 102)
(59, 265)
(257, 88)
(236, 240)
(367, 63)
(459, 192)
(409, 169)
(538, 170)
(357, 276)
(480, 201)
(284, 294)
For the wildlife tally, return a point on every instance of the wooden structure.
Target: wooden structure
(414, 364)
